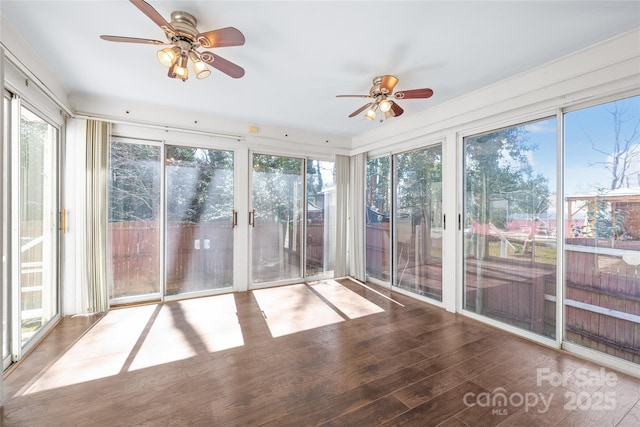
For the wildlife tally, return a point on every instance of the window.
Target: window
(321, 218)
(418, 221)
(602, 227)
(37, 200)
(134, 220)
(510, 230)
(199, 209)
(377, 222)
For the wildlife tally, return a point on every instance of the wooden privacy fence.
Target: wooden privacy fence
(509, 290)
(196, 252)
(378, 241)
(603, 297)
(135, 257)
(31, 268)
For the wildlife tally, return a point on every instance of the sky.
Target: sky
(583, 168)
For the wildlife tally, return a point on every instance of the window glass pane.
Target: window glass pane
(277, 200)
(38, 226)
(378, 211)
(199, 248)
(321, 217)
(418, 221)
(5, 218)
(602, 227)
(134, 215)
(510, 225)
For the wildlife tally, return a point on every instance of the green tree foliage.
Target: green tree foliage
(419, 180)
(498, 173)
(33, 137)
(378, 176)
(277, 187)
(134, 185)
(602, 222)
(199, 184)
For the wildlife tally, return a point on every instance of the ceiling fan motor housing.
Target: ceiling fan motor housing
(185, 25)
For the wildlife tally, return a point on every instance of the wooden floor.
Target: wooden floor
(327, 353)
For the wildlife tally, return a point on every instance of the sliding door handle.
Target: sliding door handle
(63, 221)
(234, 218)
(252, 217)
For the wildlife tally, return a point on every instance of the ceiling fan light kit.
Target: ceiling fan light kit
(185, 39)
(380, 93)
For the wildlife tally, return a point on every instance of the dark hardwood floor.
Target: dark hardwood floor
(329, 353)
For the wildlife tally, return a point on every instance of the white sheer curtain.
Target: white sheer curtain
(356, 216)
(95, 296)
(341, 265)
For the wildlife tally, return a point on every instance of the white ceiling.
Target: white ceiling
(298, 55)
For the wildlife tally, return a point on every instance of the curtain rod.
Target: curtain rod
(161, 127)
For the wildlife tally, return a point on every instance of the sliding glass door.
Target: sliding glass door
(510, 230)
(4, 192)
(378, 219)
(320, 218)
(418, 221)
(172, 228)
(276, 219)
(199, 214)
(38, 231)
(134, 221)
(602, 228)
(33, 252)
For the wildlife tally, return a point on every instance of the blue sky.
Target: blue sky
(595, 125)
(582, 170)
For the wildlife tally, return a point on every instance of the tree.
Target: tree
(419, 192)
(134, 185)
(199, 184)
(501, 183)
(497, 167)
(624, 150)
(33, 137)
(378, 175)
(277, 187)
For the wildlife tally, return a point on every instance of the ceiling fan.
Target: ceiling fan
(185, 39)
(380, 93)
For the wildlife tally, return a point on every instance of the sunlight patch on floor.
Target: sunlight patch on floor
(344, 299)
(294, 308)
(139, 337)
(187, 328)
(99, 353)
